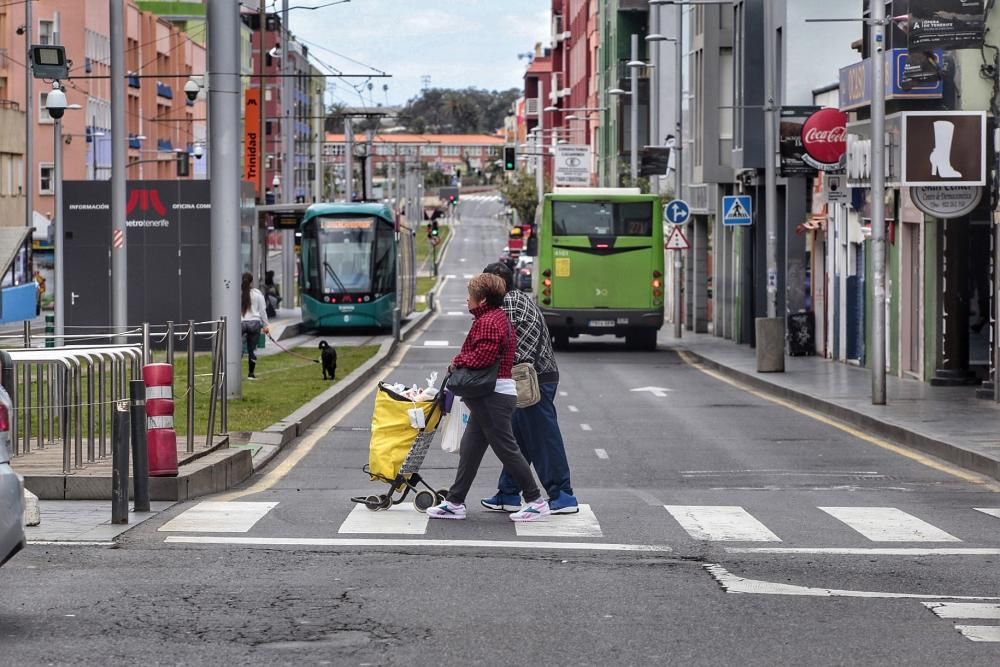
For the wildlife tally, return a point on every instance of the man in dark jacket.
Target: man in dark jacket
(536, 428)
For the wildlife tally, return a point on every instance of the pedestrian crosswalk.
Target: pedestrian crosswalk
(486, 197)
(673, 524)
(977, 611)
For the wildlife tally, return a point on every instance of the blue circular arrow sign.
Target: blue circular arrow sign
(677, 212)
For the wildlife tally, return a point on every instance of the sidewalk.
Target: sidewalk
(947, 422)
(84, 521)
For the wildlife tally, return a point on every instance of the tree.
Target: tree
(464, 111)
(521, 195)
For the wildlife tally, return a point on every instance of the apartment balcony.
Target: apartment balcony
(164, 90)
(133, 80)
(134, 142)
(164, 145)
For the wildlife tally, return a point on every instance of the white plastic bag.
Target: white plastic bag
(458, 418)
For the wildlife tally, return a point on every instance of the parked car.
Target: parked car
(522, 273)
(11, 490)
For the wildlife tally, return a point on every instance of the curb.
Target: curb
(277, 436)
(32, 515)
(907, 437)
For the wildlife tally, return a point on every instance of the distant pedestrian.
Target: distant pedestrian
(536, 427)
(253, 320)
(272, 295)
(491, 339)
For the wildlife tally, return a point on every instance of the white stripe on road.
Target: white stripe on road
(409, 543)
(468, 276)
(989, 610)
(397, 520)
(888, 524)
(572, 408)
(721, 523)
(218, 517)
(866, 551)
(601, 454)
(455, 313)
(581, 524)
(435, 343)
(451, 276)
(992, 511)
(586, 427)
(980, 633)
(563, 393)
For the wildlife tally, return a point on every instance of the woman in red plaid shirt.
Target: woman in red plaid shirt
(490, 338)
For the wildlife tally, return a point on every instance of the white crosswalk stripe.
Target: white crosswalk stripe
(218, 517)
(581, 524)
(970, 610)
(721, 523)
(888, 524)
(397, 520)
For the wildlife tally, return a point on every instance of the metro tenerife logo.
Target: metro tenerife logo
(145, 199)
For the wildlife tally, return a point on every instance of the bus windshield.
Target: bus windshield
(570, 218)
(345, 252)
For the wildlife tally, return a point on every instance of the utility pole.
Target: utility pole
(29, 131)
(224, 117)
(369, 167)
(633, 76)
(262, 137)
(320, 136)
(119, 233)
(540, 149)
(348, 159)
(288, 157)
(877, 49)
(770, 330)
(59, 250)
(678, 154)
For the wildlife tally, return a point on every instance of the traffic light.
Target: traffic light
(453, 200)
(434, 227)
(430, 229)
(183, 164)
(509, 158)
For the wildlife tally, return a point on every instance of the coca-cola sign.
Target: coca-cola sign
(824, 138)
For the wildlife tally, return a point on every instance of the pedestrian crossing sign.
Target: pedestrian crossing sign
(737, 210)
(677, 240)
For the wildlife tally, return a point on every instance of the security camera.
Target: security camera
(20, 30)
(55, 102)
(191, 89)
(198, 151)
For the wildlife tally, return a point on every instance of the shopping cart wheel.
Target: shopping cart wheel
(385, 501)
(373, 503)
(424, 500)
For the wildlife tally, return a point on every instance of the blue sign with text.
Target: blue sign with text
(856, 80)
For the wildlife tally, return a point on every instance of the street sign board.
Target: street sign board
(677, 240)
(737, 210)
(677, 212)
(836, 189)
(572, 165)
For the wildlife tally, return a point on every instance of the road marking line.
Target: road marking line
(586, 427)
(601, 454)
(581, 524)
(572, 408)
(989, 610)
(867, 551)
(462, 260)
(397, 520)
(721, 523)
(563, 393)
(888, 524)
(468, 276)
(451, 275)
(363, 542)
(735, 584)
(69, 543)
(211, 516)
(980, 633)
(435, 343)
(455, 313)
(992, 511)
(928, 461)
(320, 430)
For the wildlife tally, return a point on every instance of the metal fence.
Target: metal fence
(65, 395)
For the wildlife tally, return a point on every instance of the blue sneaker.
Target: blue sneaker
(563, 504)
(502, 502)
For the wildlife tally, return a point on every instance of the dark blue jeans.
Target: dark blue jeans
(537, 432)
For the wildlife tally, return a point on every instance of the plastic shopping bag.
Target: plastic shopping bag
(454, 428)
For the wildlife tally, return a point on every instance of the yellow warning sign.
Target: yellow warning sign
(562, 267)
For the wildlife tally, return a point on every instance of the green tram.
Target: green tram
(600, 264)
(356, 265)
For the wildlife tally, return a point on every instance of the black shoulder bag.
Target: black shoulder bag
(475, 382)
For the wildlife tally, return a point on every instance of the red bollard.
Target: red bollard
(161, 439)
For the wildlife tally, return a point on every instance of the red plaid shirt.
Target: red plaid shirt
(491, 335)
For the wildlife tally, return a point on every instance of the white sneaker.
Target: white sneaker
(532, 511)
(446, 510)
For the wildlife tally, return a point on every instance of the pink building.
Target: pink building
(159, 119)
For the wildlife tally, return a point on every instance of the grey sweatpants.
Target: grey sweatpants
(490, 426)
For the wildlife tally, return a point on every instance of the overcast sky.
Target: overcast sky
(457, 43)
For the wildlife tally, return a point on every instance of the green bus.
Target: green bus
(600, 264)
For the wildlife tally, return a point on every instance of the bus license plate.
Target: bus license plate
(602, 323)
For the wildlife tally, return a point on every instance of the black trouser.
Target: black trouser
(251, 331)
(490, 426)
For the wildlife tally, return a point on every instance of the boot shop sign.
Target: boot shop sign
(944, 148)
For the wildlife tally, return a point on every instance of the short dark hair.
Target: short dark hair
(502, 270)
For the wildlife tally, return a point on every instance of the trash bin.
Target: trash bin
(802, 334)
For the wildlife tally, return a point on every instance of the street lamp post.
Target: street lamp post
(56, 104)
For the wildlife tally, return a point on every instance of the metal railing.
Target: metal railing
(65, 395)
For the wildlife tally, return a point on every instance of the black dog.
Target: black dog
(328, 359)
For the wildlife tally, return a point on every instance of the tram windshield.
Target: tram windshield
(345, 253)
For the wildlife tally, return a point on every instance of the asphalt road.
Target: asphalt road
(686, 481)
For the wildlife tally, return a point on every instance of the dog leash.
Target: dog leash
(294, 354)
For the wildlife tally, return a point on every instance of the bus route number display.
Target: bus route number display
(329, 225)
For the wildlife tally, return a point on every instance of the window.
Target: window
(267, 94)
(43, 113)
(267, 127)
(46, 175)
(45, 30)
(601, 219)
